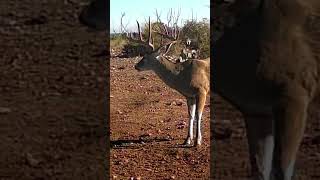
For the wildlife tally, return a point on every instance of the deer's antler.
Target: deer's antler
(149, 42)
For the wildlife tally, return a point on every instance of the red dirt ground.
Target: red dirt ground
(52, 116)
(148, 125)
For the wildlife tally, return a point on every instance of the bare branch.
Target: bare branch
(121, 22)
(160, 23)
(191, 14)
(158, 16)
(169, 17)
(178, 16)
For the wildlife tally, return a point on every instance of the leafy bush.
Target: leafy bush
(132, 49)
(129, 49)
(200, 32)
(118, 41)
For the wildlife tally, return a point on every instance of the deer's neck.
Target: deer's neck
(167, 70)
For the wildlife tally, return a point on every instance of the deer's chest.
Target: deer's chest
(180, 84)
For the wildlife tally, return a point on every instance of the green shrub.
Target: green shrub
(132, 49)
(118, 42)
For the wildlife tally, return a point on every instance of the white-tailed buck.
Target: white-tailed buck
(268, 65)
(191, 78)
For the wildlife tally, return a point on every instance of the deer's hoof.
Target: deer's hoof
(187, 142)
(199, 142)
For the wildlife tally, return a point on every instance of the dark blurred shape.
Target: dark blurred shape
(37, 20)
(95, 15)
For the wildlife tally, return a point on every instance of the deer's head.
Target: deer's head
(153, 55)
(149, 60)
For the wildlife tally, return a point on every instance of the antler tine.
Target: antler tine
(149, 37)
(140, 40)
(168, 46)
(139, 31)
(174, 39)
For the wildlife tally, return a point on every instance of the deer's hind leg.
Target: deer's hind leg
(261, 144)
(200, 101)
(191, 102)
(290, 118)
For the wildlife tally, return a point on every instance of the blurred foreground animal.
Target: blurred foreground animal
(268, 65)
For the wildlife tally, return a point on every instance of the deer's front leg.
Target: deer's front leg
(261, 145)
(290, 119)
(200, 101)
(191, 102)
